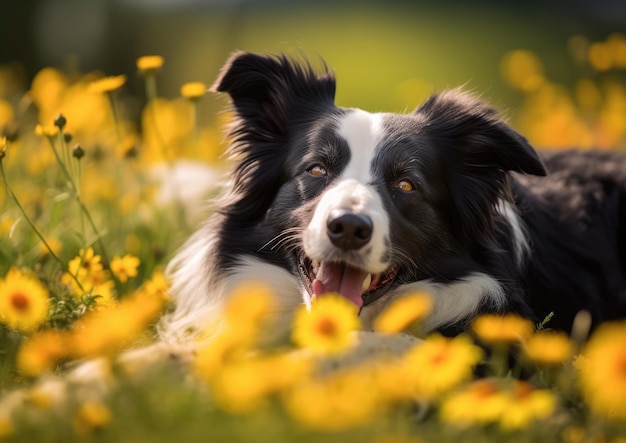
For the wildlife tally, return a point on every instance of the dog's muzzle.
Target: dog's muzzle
(348, 232)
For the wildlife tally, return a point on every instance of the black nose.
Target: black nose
(349, 231)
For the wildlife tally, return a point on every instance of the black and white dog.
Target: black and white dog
(447, 199)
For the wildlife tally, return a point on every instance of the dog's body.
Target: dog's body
(447, 199)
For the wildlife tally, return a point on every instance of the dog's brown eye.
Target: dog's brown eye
(318, 171)
(405, 186)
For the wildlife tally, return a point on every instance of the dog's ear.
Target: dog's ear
(267, 93)
(476, 149)
(479, 132)
(266, 89)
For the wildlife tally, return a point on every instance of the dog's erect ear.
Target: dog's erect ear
(478, 133)
(476, 149)
(267, 93)
(265, 90)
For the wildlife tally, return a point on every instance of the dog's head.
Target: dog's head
(364, 202)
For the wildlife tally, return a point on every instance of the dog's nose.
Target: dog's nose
(349, 231)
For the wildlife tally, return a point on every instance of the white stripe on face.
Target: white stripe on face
(353, 192)
(363, 132)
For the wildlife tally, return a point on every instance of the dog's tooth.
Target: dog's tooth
(376, 279)
(367, 282)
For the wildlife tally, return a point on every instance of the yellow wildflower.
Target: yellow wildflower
(243, 385)
(149, 64)
(6, 427)
(328, 327)
(91, 416)
(338, 402)
(502, 329)
(526, 405)
(403, 313)
(482, 402)
(46, 131)
(522, 70)
(42, 352)
(157, 286)
(440, 363)
(54, 244)
(602, 371)
(94, 279)
(124, 267)
(3, 147)
(24, 301)
(108, 330)
(548, 348)
(250, 302)
(107, 84)
(193, 90)
(86, 263)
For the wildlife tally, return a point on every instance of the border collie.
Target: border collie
(447, 199)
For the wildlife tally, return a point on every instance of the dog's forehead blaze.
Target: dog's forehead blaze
(362, 132)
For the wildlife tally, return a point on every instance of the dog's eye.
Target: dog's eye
(318, 171)
(405, 186)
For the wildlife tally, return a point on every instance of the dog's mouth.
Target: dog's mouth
(356, 285)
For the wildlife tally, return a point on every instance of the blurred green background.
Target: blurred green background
(387, 55)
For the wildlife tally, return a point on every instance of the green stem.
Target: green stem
(33, 226)
(82, 207)
(116, 120)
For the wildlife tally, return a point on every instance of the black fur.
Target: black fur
(465, 160)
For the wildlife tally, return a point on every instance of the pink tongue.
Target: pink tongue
(347, 281)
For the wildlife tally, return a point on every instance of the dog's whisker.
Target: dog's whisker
(279, 239)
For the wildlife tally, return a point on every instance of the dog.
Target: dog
(447, 199)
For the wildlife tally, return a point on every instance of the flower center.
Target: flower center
(621, 365)
(20, 301)
(326, 327)
(485, 389)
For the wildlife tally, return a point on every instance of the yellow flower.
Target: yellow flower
(157, 286)
(24, 301)
(440, 363)
(91, 416)
(502, 329)
(94, 279)
(42, 352)
(526, 405)
(193, 90)
(3, 147)
(403, 313)
(243, 385)
(337, 402)
(46, 131)
(149, 64)
(6, 427)
(87, 262)
(482, 402)
(108, 330)
(327, 328)
(124, 267)
(522, 70)
(54, 244)
(250, 303)
(548, 348)
(107, 84)
(602, 371)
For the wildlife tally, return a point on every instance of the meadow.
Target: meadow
(86, 230)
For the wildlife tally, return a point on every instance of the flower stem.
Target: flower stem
(116, 120)
(32, 225)
(81, 205)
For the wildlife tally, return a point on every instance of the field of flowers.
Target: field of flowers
(85, 234)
